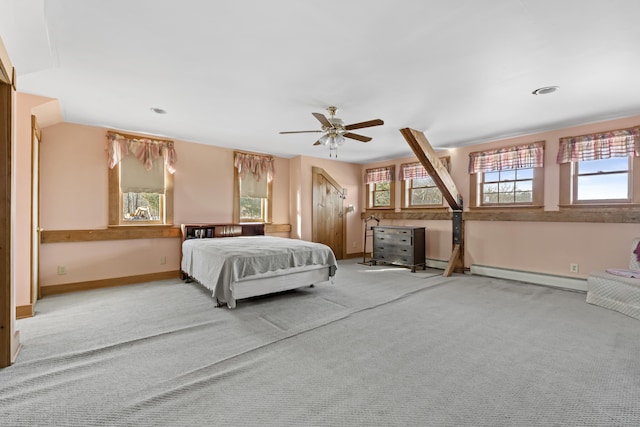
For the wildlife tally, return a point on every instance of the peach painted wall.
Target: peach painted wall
(540, 247)
(26, 105)
(74, 195)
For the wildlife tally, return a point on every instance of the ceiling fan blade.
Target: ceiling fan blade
(317, 142)
(376, 122)
(357, 137)
(302, 131)
(322, 119)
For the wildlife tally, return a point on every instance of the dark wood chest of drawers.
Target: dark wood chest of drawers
(399, 245)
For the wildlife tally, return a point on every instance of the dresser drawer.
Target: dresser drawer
(396, 259)
(393, 239)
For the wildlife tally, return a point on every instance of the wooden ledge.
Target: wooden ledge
(129, 232)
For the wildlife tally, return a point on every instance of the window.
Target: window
(602, 180)
(253, 176)
(140, 180)
(513, 186)
(379, 182)
(599, 169)
(511, 176)
(419, 190)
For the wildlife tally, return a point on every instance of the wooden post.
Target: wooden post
(440, 175)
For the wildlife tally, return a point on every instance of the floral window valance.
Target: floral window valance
(144, 149)
(377, 175)
(616, 143)
(416, 170)
(520, 156)
(258, 165)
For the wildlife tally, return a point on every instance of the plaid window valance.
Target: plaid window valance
(377, 175)
(616, 143)
(520, 156)
(416, 170)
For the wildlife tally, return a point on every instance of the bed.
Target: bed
(237, 261)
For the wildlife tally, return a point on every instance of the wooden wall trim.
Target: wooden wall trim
(129, 232)
(24, 311)
(277, 228)
(107, 283)
(612, 215)
(112, 233)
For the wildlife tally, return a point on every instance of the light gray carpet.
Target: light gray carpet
(381, 346)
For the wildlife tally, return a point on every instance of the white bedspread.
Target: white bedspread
(218, 262)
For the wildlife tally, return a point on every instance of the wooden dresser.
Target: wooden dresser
(399, 245)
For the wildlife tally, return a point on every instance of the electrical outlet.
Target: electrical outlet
(163, 260)
(573, 268)
(353, 245)
(62, 270)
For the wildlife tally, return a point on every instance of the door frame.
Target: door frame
(9, 339)
(36, 139)
(315, 171)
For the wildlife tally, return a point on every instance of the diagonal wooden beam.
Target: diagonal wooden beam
(440, 175)
(425, 154)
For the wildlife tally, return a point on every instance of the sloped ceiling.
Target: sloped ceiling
(235, 73)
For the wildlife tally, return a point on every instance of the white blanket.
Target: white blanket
(217, 263)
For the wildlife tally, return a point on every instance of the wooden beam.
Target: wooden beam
(425, 154)
(440, 175)
(453, 261)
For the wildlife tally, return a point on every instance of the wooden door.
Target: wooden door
(35, 211)
(9, 340)
(328, 212)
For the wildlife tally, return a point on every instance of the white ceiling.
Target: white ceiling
(235, 73)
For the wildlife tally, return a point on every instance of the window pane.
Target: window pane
(508, 175)
(506, 198)
(603, 187)
(490, 198)
(422, 182)
(382, 186)
(140, 206)
(490, 188)
(381, 198)
(491, 176)
(524, 173)
(604, 165)
(251, 208)
(426, 196)
(506, 187)
(524, 196)
(524, 185)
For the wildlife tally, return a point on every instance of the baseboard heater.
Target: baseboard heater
(530, 277)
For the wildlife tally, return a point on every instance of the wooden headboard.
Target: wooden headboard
(198, 231)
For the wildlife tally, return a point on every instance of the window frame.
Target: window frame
(371, 188)
(405, 188)
(568, 187)
(476, 180)
(236, 202)
(116, 203)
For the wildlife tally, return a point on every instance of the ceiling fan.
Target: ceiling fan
(335, 131)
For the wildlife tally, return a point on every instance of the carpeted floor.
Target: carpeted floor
(381, 346)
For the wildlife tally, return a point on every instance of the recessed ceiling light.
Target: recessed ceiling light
(545, 90)
(158, 110)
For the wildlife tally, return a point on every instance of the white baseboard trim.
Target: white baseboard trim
(530, 277)
(436, 263)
